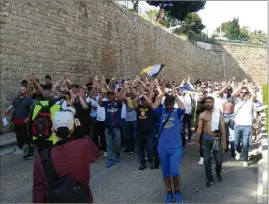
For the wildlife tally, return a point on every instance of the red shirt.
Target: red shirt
(69, 159)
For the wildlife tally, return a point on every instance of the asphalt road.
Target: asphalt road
(124, 183)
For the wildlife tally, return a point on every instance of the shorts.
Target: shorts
(170, 159)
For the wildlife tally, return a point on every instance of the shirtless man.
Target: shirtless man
(228, 112)
(212, 141)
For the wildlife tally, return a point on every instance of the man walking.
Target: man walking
(211, 130)
(22, 107)
(170, 145)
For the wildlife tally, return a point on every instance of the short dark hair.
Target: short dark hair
(48, 77)
(24, 82)
(209, 98)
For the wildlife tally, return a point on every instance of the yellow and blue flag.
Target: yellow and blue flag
(153, 71)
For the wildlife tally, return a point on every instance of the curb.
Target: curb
(262, 189)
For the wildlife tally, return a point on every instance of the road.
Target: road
(124, 183)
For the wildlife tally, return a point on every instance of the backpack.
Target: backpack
(62, 189)
(42, 124)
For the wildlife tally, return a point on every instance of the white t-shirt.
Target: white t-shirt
(188, 103)
(123, 111)
(62, 103)
(218, 102)
(100, 111)
(244, 115)
(93, 106)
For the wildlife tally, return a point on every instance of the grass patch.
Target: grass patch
(265, 102)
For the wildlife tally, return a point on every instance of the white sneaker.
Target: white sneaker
(105, 154)
(18, 151)
(201, 162)
(237, 156)
(245, 164)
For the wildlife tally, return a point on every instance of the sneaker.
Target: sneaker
(169, 197)
(201, 162)
(245, 164)
(237, 156)
(219, 177)
(117, 158)
(131, 154)
(142, 167)
(18, 151)
(178, 198)
(209, 184)
(28, 156)
(105, 154)
(109, 163)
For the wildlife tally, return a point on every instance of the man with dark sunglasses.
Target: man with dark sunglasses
(243, 119)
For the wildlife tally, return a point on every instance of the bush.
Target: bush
(265, 101)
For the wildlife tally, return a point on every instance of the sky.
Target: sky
(251, 13)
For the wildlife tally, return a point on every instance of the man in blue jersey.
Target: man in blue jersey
(170, 145)
(112, 123)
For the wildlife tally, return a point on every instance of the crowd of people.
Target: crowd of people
(154, 118)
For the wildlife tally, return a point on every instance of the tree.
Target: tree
(177, 9)
(244, 33)
(223, 28)
(192, 26)
(135, 5)
(258, 36)
(233, 30)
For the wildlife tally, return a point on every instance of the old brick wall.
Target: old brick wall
(84, 38)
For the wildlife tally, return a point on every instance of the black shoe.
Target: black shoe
(131, 154)
(126, 150)
(28, 156)
(233, 153)
(219, 177)
(142, 167)
(209, 184)
(151, 165)
(188, 140)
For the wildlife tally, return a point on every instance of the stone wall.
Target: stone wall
(84, 38)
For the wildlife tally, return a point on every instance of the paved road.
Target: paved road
(124, 183)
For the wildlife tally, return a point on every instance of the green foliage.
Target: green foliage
(192, 27)
(178, 9)
(233, 30)
(265, 101)
(258, 36)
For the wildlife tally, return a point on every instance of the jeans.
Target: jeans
(110, 134)
(145, 140)
(218, 156)
(243, 132)
(186, 120)
(227, 118)
(130, 127)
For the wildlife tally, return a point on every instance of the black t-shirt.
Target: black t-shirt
(22, 107)
(145, 119)
(47, 86)
(81, 113)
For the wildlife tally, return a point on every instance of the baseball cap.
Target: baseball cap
(63, 119)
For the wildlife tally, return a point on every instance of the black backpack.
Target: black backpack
(62, 189)
(42, 124)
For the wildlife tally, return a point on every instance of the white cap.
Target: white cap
(63, 119)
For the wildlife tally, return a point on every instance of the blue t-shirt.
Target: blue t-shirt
(113, 112)
(170, 136)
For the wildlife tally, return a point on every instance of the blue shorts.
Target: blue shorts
(170, 159)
